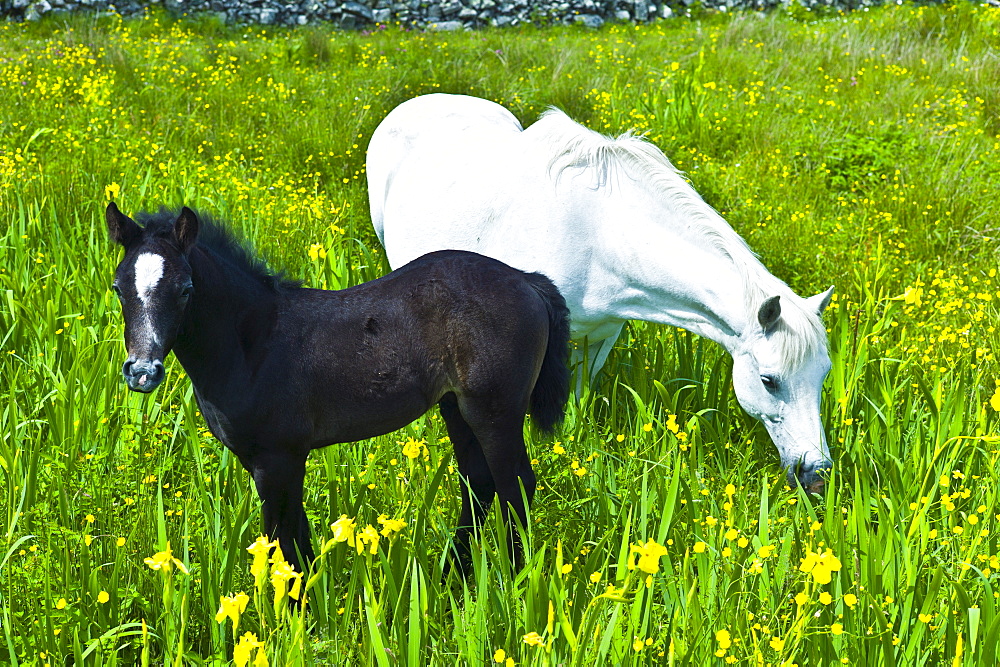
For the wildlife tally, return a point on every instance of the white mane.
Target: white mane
(800, 333)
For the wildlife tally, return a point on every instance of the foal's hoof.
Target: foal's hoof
(458, 564)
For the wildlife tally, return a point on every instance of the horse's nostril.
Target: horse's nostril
(127, 367)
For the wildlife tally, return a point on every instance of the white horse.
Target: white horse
(619, 231)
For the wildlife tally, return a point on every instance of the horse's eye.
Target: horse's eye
(117, 290)
(770, 383)
(186, 292)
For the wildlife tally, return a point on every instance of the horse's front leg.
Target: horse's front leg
(279, 477)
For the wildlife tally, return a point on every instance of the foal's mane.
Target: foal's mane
(800, 333)
(224, 242)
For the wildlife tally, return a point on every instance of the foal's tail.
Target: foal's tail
(551, 391)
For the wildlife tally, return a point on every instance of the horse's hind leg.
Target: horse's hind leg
(477, 482)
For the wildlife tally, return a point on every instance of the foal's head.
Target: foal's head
(153, 283)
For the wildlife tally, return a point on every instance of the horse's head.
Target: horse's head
(153, 283)
(778, 373)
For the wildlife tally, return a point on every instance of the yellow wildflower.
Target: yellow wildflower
(649, 556)
(247, 643)
(369, 535)
(164, 560)
(260, 549)
(390, 526)
(231, 606)
(343, 530)
(281, 573)
(820, 565)
(533, 639)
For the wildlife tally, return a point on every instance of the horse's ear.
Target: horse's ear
(769, 313)
(121, 228)
(821, 300)
(186, 229)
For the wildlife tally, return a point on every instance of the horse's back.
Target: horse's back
(427, 135)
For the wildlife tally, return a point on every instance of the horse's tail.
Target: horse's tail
(551, 391)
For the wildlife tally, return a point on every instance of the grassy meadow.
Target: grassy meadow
(860, 150)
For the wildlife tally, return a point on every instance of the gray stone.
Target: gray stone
(666, 12)
(444, 26)
(502, 21)
(623, 15)
(35, 11)
(434, 13)
(589, 20)
(19, 4)
(301, 19)
(640, 10)
(357, 10)
(267, 16)
(467, 14)
(382, 15)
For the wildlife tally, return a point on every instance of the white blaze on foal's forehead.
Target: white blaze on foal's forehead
(148, 271)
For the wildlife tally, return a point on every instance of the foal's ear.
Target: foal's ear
(820, 301)
(121, 228)
(186, 229)
(769, 314)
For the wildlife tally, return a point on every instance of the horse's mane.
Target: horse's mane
(224, 242)
(800, 331)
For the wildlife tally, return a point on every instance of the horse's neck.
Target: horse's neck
(222, 325)
(682, 280)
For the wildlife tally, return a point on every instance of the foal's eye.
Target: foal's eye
(186, 292)
(116, 290)
(770, 383)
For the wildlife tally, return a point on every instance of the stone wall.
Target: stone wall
(428, 14)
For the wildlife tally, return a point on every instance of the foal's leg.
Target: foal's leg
(500, 432)
(476, 483)
(279, 478)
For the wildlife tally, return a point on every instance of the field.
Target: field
(861, 150)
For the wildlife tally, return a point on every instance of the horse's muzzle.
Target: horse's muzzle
(143, 375)
(812, 479)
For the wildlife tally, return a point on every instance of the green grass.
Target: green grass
(859, 150)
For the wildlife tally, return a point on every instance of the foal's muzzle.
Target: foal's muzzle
(143, 375)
